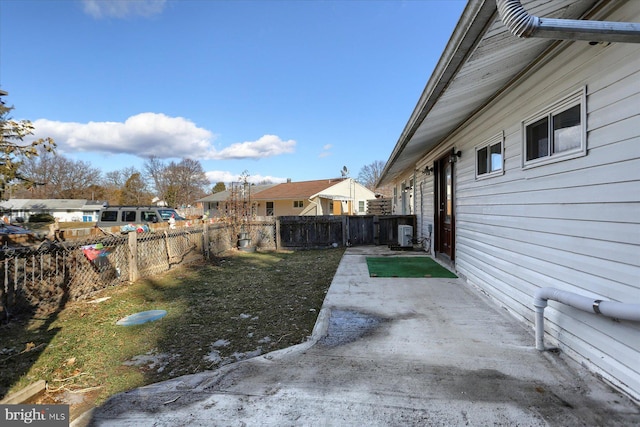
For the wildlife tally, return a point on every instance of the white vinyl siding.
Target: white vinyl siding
(572, 225)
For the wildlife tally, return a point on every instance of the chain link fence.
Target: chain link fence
(42, 278)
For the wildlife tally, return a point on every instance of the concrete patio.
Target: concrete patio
(387, 351)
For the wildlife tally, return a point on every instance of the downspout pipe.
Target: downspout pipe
(616, 310)
(524, 25)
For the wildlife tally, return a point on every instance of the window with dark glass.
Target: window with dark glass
(109, 216)
(566, 130)
(538, 139)
(129, 216)
(557, 133)
(489, 157)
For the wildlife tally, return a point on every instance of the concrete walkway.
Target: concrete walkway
(384, 352)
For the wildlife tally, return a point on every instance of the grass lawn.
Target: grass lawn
(234, 307)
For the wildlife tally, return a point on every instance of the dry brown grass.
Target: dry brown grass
(234, 307)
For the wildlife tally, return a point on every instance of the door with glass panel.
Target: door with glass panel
(445, 206)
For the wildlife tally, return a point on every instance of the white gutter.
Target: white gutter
(521, 24)
(616, 310)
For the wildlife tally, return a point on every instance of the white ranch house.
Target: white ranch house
(522, 157)
(65, 210)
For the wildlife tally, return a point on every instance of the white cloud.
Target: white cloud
(227, 177)
(325, 151)
(123, 8)
(155, 134)
(141, 135)
(266, 146)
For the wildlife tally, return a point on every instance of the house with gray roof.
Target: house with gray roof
(64, 210)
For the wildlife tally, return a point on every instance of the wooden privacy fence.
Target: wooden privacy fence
(320, 231)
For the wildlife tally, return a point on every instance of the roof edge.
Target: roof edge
(467, 33)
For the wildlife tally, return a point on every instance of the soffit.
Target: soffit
(480, 60)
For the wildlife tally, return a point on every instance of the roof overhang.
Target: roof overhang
(333, 197)
(481, 59)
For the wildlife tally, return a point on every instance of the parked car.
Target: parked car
(112, 216)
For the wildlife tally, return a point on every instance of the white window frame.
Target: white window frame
(578, 97)
(494, 140)
(298, 204)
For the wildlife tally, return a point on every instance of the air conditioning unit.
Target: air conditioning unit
(405, 235)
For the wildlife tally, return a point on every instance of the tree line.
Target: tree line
(54, 176)
(34, 171)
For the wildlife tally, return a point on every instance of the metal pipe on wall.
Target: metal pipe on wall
(613, 309)
(524, 25)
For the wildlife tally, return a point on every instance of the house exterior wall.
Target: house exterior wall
(405, 194)
(573, 224)
(340, 199)
(352, 193)
(63, 215)
(424, 206)
(283, 207)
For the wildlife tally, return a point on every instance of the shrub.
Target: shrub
(42, 217)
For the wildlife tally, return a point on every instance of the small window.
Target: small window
(298, 204)
(149, 216)
(361, 206)
(270, 209)
(111, 216)
(490, 157)
(129, 216)
(557, 133)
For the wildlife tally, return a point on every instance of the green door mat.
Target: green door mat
(407, 267)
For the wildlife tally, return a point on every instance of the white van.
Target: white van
(112, 216)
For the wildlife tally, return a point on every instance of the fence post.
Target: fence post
(4, 293)
(133, 256)
(376, 230)
(278, 240)
(345, 230)
(205, 239)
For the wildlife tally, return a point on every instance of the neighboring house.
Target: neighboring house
(338, 196)
(217, 204)
(522, 157)
(65, 210)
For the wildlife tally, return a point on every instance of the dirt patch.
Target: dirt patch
(232, 308)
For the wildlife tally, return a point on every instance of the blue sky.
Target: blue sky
(281, 89)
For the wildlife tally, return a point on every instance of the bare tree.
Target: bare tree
(61, 178)
(134, 191)
(369, 174)
(155, 171)
(13, 151)
(187, 180)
